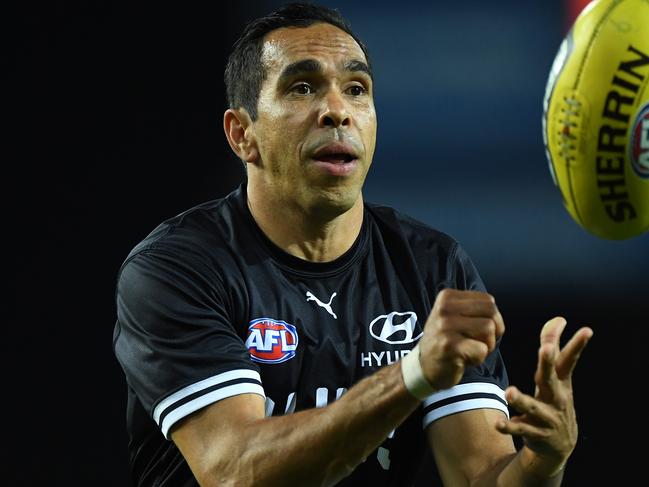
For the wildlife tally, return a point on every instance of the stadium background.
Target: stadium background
(114, 112)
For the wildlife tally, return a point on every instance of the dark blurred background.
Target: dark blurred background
(114, 116)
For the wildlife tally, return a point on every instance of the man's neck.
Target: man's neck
(309, 236)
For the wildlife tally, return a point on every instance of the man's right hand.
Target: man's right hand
(461, 330)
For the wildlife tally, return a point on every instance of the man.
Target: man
(268, 338)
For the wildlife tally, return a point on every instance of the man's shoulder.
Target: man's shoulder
(193, 233)
(438, 257)
(417, 233)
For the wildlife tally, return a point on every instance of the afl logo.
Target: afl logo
(639, 143)
(271, 341)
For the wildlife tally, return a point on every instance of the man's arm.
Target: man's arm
(231, 443)
(474, 448)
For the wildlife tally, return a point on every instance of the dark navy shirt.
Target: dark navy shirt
(208, 307)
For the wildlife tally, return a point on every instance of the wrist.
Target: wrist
(413, 375)
(541, 466)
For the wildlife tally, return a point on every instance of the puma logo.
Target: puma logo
(326, 306)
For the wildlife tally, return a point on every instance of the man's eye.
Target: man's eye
(302, 89)
(356, 90)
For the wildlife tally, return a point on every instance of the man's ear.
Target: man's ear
(240, 134)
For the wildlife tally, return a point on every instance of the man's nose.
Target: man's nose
(334, 111)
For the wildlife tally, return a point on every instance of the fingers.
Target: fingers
(569, 356)
(471, 313)
(555, 362)
(551, 331)
(547, 421)
(536, 421)
(479, 308)
(517, 427)
(536, 411)
(548, 430)
(480, 329)
(547, 362)
(472, 352)
(461, 330)
(546, 375)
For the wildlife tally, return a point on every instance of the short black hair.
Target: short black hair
(245, 72)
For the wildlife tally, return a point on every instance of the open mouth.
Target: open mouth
(340, 158)
(336, 153)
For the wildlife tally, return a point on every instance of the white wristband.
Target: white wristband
(413, 376)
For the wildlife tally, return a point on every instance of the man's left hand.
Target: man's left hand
(548, 424)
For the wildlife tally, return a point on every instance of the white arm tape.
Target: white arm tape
(413, 376)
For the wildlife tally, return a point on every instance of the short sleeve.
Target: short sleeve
(482, 386)
(175, 341)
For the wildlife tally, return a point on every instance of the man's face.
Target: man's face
(316, 125)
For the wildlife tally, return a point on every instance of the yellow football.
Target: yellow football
(596, 119)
